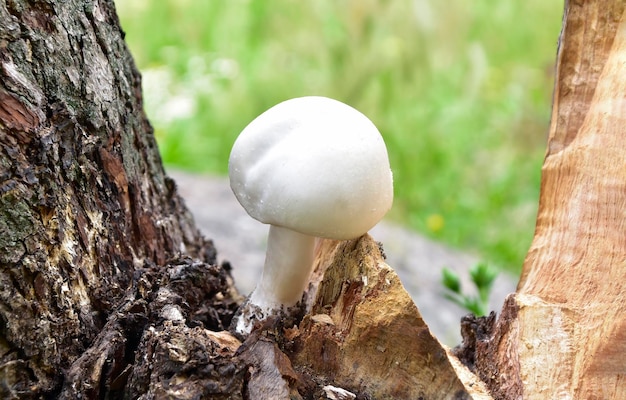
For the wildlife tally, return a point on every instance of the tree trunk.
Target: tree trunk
(95, 243)
(563, 334)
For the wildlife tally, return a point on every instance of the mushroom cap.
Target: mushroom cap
(314, 165)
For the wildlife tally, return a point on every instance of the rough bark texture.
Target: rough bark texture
(86, 211)
(563, 335)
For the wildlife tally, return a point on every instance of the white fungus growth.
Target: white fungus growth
(310, 167)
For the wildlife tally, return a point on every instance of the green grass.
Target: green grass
(460, 90)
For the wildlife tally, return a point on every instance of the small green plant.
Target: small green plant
(483, 276)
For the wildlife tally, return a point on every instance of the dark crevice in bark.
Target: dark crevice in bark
(474, 330)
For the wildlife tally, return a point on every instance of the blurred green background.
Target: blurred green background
(460, 90)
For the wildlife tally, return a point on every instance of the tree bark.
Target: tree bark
(563, 334)
(92, 233)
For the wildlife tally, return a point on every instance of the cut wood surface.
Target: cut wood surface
(364, 333)
(563, 335)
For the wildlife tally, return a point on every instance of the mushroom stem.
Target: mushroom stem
(288, 264)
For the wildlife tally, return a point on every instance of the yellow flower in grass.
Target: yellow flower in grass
(435, 223)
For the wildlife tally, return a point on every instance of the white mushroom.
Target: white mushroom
(310, 167)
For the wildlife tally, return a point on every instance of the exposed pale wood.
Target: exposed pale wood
(563, 335)
(365, 334)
